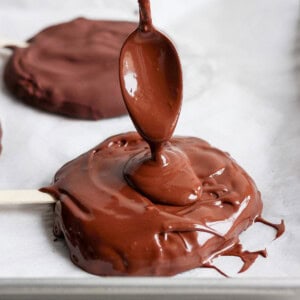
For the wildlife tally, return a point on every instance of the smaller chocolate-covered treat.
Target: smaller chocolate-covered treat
(71, 69)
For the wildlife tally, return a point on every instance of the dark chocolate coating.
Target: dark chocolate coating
(157, 206)
(71, 69)
(112, 229)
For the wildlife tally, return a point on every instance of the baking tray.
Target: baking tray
(150, 288)
(240, 95)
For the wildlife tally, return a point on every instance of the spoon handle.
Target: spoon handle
(145, 15)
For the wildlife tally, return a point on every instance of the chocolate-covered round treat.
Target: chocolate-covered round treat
(113, 229)
(71, 69)
(147, 203)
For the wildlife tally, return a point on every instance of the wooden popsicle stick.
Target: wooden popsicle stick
(6, 42)
(16, 197)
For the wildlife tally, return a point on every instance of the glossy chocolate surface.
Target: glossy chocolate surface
(112, 229)
(71, 69)
(150, 204)
(151, 80)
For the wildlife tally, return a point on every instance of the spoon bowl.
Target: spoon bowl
(151, 82)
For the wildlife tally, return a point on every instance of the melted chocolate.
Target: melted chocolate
(71, 69)
(148, 204)
(169, 174)
(151, 84)
(112, 229)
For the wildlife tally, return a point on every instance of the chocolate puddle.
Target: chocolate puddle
(150, 204)
(71, 69)
(112, 229)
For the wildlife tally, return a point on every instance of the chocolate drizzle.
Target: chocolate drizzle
(150, 204)
(247, 257)
(280, 228)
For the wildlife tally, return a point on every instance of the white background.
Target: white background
(242, 84)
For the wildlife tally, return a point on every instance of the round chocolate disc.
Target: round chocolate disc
(71, 69)
(112, 229)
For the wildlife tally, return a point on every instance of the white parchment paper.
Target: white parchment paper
(241, 70)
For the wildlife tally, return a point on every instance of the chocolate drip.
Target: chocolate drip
(169, 174)
(210, 266)
(246, 256)
(280, 228)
